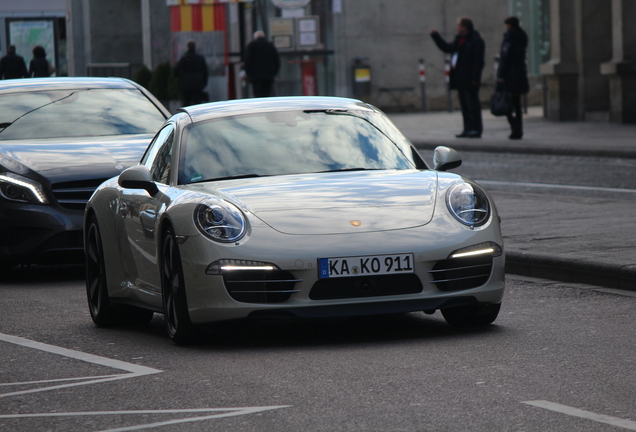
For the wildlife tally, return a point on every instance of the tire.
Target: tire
(6, 270)
(103, 313)
(473, 315)
(175, 304)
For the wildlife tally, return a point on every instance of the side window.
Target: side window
(159, 156)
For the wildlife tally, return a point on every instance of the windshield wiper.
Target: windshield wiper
(4, 126)
(353, 169)
(242, 176)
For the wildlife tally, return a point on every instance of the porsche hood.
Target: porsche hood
(337, 203)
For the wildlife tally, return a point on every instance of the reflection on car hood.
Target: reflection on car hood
(63, 159)
(334, 203)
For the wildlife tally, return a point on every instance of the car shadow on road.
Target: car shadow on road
(384, 329)
(250, 335)
(28, 275)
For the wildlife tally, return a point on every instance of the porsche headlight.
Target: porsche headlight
(468, 204)
(220, 220)
(21, 189)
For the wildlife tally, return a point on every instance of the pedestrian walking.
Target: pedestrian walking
(467, 63)
(12, 65)
(192, 71)
(39, 66)
(512, 73)
(261, 65)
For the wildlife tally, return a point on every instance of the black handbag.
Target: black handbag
(501, 103)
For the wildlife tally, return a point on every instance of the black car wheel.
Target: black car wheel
(103, 313)
(473, 315)
(99, 305)
(175, 304)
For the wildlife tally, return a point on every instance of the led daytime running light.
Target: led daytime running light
(487, 248)
(473, 253)
(230, 265)
(37, 193)
(232, 268)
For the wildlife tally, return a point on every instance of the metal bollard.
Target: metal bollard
(449, 96)
(422, 72)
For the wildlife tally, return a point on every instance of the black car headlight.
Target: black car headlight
(220, 220)
(21, 189)
(468, 204)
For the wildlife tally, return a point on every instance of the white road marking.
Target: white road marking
(54, 380)
(133, 370)
(554, 186)
(220, 413)
(575, 412)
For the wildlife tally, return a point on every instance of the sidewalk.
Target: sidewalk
(429, 130)
(569, 236)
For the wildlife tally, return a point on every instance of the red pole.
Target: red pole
(310, 81)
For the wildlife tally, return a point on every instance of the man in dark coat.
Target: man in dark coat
(261, 65)
(467, 63)
(512, 73)
(192, 71)
(12, 65)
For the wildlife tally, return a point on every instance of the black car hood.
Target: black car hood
(64, 159)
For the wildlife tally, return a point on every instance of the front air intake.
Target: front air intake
(455, 274)
(249, 286)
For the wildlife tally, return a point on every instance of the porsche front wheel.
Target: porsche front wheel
(473, 315)
(99, 305)
(175, 304)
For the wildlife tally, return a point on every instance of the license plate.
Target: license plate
(365, 266)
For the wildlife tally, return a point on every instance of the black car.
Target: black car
(60, 138)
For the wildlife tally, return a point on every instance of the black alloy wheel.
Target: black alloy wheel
(175, 304)
(473, 315)
(103, 313)
(99, 305)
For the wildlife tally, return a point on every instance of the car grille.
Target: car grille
(260, 286)
(456, 274)
(372, 286)
(74, 195)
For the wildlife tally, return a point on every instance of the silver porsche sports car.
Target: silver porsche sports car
(289, 207)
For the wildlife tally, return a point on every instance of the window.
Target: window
(158, 158)
(77, 113)
(292, 142)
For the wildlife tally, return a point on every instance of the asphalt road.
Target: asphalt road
(556, 353)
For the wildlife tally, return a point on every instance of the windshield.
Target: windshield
(75, 113)
(292, 142)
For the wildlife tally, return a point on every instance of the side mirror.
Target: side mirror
(138, 177)
(446, 158)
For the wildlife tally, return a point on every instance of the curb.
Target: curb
(577, 271)
(501, 147)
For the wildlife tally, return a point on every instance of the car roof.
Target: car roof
(63, 83)
(213, 110)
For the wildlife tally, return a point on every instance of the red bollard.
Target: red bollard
(310, 80)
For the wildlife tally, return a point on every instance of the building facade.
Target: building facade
(591, 74)
(581, 57)
(35, 22)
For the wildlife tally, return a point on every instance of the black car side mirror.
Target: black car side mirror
(138, 177)
(446, 158)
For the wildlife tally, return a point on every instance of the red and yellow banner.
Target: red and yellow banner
(192, 2)
(197, 17)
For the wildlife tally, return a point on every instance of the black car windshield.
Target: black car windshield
(75, 113)
(292, 142)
